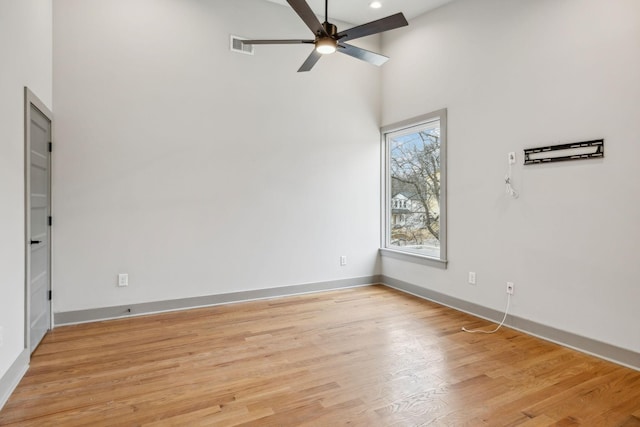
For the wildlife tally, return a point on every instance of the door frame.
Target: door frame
(31, 100)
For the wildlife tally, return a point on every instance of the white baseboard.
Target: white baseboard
(115, 312)
(10, 380)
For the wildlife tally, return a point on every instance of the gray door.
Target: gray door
(38, 231)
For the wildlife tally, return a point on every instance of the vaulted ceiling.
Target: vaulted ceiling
(359, 12)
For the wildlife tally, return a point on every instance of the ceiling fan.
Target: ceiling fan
(328, 39)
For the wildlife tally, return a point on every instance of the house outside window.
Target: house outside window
(415, 188)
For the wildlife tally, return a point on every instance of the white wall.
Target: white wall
(521, 74)
(25, 52)
(200, 171)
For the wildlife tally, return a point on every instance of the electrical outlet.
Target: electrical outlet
(512, 158)
(510, 288)
(472, 277)
(343, 260)
(123, 280)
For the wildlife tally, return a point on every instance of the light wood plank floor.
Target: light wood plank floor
(368, 356)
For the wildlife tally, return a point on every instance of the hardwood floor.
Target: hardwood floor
(367, 356)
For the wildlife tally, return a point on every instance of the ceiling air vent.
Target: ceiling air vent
(236, 45)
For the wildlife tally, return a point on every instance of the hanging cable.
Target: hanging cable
(480, 331)
(507, 178)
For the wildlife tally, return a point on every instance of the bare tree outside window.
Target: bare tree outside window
(414, 182)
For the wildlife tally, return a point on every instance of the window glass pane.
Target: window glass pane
(414, 189)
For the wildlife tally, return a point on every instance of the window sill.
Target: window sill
(416, 258)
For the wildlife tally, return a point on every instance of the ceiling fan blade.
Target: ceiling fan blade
(310, 62)
(362, 54)
(306, 14)
(374, 27)
(276, 41)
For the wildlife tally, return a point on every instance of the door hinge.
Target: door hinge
(50, 147)
(50, 294)
(50, 221)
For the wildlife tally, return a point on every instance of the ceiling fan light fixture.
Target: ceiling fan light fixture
(326, 45)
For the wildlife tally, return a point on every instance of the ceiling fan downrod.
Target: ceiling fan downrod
(326, 10)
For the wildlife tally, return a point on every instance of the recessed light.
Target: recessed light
(375, 5)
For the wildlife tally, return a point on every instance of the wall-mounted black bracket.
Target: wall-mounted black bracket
(564, 152)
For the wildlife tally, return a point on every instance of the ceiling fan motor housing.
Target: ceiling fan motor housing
(330, 29)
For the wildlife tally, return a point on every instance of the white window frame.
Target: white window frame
(397, 252)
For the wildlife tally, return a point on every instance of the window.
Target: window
(415, 188)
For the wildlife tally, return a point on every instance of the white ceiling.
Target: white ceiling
(358, 11)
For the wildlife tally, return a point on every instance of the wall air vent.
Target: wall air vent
(236, 45)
